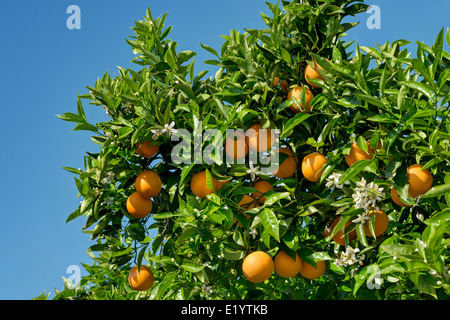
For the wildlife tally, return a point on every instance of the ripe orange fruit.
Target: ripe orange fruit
(199, 186)
(356, 154)
(139, 206)
(236, 147)
(257, 267)
(141, 280)
(381, 223)
(312, 166)
(288, 167)
(420, 181)
(313, 73)
(283, 83)
(397, 200)
(148, 184)
(262, 187)
(285, 266)
(309, 272)
(339, 237)
(246, 203)
(295, 93)
(147, 150)
(275, 81)
(260, 139)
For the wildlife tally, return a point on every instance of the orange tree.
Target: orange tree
(363, 203)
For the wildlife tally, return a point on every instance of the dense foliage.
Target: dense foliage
(370, 96)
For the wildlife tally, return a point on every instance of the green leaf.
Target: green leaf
(85, 127)
(438, 50)
(270, 223)
(187, 90)
(86, 204)
(383, 79)
(402, 97)
(419, 65)
(211, 50)
(162, 287)
(192, 266)
(237, 237)
(370, 99)
(443, 78)
(437, 191)
(448, 36)
(74, 215)
(361, 234)
(274, 197)
(447, 180)
(439, 218)
(224, 110)
(100, 140)
(71, 117)
(293, 122)
(233, 255)
(286, 56)
(72, 170)
(362, 144)
(185, 56)
(209, 181)
(418, 87)
(424, 284)
(354, 170)
(123, 132)
(141, 256)
(185, 171)
(406, 252)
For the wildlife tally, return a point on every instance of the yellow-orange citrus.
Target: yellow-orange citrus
(148, 184)
(275, 81)
(236, 147)
(257, 267)
(295, 93)
(141, 280)
(381, 223)
(262, 187)
(313, 73)
(139, 206)
(339, 237)
(246, 203)
(199, 186)
(285, 266)
(310, 272)
(260, 139)
(397, 199)
(420, 181)
(357, 154)
(147, 149)
(288, 167)
(283, 83)
(312, 166)
(220, 183)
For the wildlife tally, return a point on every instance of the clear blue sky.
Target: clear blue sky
(44, 65)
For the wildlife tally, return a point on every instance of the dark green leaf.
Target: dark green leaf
(270, 223)
(354, 170)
